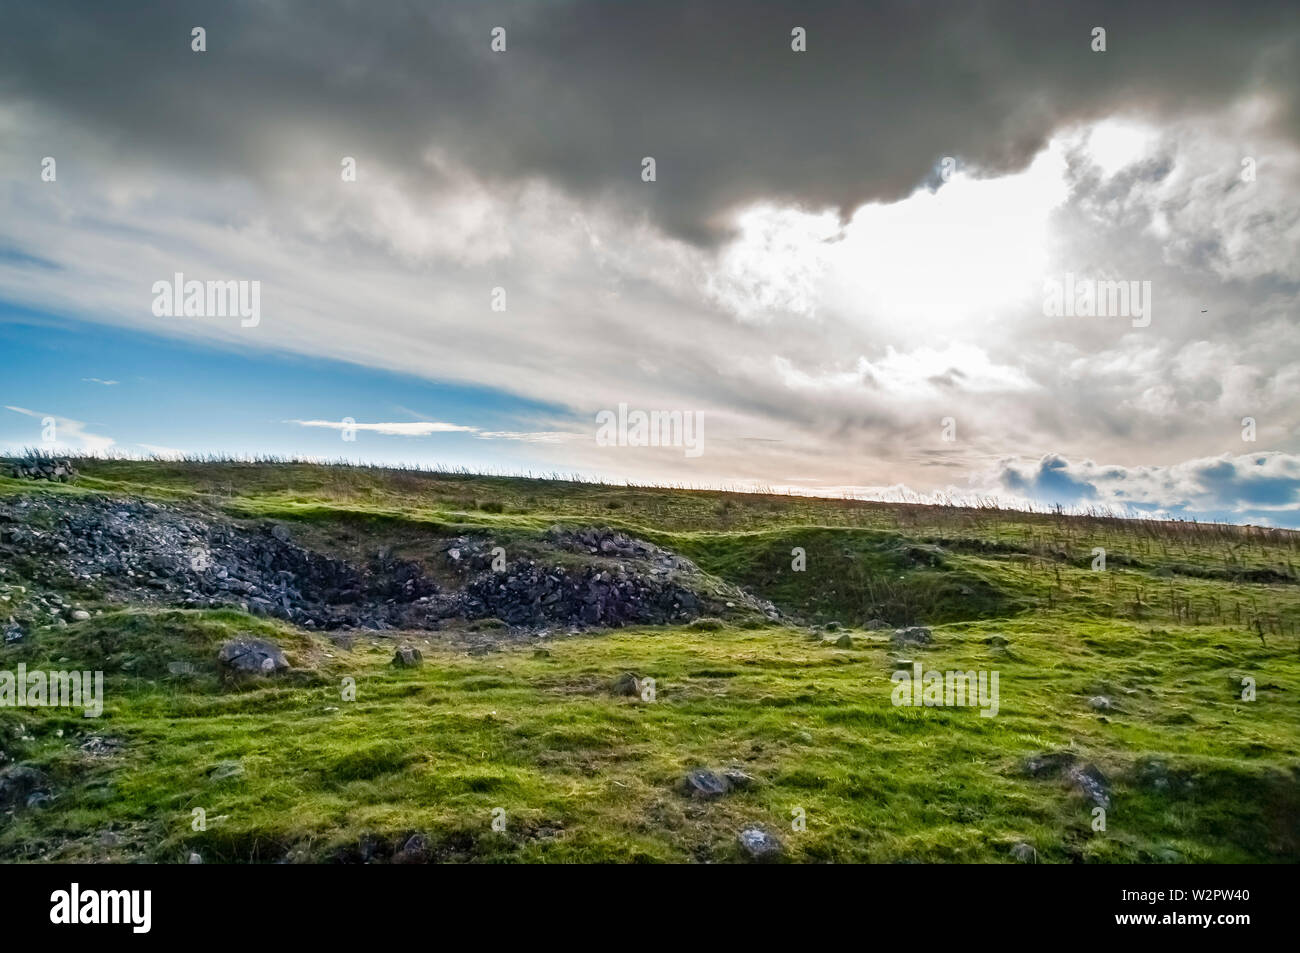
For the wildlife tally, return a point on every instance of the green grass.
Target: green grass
(1167, 632)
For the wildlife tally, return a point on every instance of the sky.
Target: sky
(839, 271)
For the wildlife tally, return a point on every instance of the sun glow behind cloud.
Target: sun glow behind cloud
(936, 260)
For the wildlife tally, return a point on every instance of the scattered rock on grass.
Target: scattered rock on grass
(1092, 783)
(251, 655)
(1088, 779)
(19, 782)
(703, 783)
(913, 634)
(414, 851)
(1099, 703)
(628, 684)
(1024, 853)
(737, 778)
(1049, 763)
(759, 844)
(226, 769)
(408, 656)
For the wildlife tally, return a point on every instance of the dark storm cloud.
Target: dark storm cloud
(711, 90)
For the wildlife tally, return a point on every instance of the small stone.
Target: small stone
(913, 635)
(226, 769)
(759, 844)
(737, 778)
(408, 656)
(195, 858)
(1099, 703)
(628, 684)
(1024, 853)
(703, 783)
(80, 615)
(247, 654)
(1092, 783)
(414, 851)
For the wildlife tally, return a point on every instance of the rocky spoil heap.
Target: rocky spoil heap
(39, 468)
(137, 551)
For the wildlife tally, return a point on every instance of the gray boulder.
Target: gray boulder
(758, 844)
(912, 635)
(628, 684)
(703, 783)
(408, 656)
(19, 783)
(1024, 853)
(253, 656)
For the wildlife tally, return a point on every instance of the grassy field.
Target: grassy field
(531, 735)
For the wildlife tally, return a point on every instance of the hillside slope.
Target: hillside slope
(623, 674)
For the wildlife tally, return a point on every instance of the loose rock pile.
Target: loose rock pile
(137, 551)
(39, 468)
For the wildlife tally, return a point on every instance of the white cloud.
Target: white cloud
(70, 436)
(419, 428)
(814, 347)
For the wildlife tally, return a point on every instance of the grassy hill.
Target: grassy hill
(1134, 672)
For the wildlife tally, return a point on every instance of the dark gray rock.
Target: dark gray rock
(408, 656)
(414, 851)
(1049, 764)
(1089, 780)
(737, 779)
(224, 770)
(254, 656)
(703, 783)
(628, 684)
(758, 844)
(1024, 853)
(912, 635)
(19, 782)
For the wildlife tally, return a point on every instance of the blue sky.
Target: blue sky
(170, 393)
